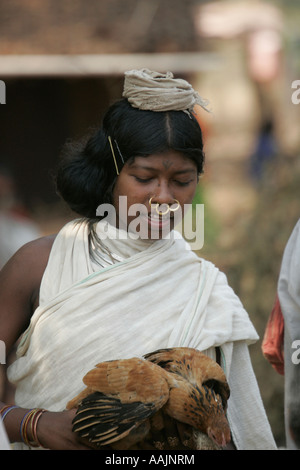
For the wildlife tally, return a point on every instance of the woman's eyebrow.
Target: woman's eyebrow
(142, 167)
(187, 170)
(150, 168)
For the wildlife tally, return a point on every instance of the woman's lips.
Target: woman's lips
(157, 221)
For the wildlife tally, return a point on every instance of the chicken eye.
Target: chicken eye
(212, 384)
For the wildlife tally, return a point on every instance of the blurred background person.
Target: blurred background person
(16, 229)
(281, 344)
(16, 226)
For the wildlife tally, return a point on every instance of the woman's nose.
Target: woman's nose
(163, 195)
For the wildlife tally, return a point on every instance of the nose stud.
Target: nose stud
(169, 208)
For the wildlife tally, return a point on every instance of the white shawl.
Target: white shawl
(160, 295)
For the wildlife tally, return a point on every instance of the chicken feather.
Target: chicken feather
(127, 402)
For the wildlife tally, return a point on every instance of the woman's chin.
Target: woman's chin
(154, 227)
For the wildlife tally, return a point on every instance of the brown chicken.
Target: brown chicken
(133, 402)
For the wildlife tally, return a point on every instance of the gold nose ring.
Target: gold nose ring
(157, 205)
(176, 208)
(162, 212)
(168, 207)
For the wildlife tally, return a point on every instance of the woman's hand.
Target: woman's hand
(54, 431)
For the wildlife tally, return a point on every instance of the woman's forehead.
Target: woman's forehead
(164, 160)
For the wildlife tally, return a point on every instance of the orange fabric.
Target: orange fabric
(272, 345)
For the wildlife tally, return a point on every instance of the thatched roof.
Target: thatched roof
(97, 26)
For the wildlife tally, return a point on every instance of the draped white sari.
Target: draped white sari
(159, 295)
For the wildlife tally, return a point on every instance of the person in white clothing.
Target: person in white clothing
(119, 281)
(16, 226)
(289, 297)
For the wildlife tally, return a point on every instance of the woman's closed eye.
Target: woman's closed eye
(147, 180)
(183, 183)
(142, 180)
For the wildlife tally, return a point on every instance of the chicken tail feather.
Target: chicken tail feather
(103, 420)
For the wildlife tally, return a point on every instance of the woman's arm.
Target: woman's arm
(54, 429)
(20, 281)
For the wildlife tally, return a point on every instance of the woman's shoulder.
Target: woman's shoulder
(37, 250)
(20, 280)
(27, 265)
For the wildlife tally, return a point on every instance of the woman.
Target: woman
(107, 288)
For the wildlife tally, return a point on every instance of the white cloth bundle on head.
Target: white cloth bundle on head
(154, 91)
(159, 295)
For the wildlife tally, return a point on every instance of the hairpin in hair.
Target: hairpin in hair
(113, 154)
(119, 151)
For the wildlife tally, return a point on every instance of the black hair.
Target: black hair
(86, 174)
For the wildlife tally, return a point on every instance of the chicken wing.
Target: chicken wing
(128, 402)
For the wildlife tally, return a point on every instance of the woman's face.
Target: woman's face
(169, 178)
